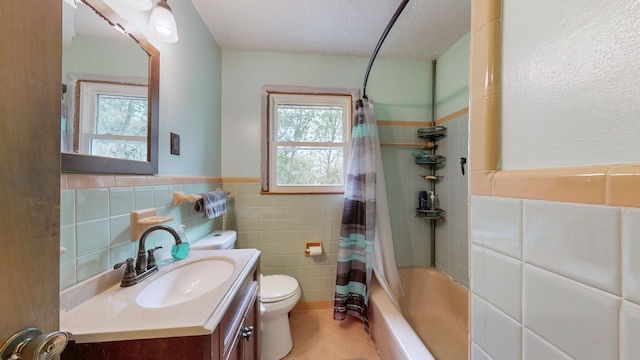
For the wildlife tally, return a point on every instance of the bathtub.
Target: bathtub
(433, 323)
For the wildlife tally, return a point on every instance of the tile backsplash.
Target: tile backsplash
(554, 280)
(95, 225)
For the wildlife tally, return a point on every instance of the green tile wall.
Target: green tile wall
(279, 225)
(95, 225)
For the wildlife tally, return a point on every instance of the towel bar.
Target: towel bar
(179, 197)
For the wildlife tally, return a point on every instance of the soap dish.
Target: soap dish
(154, 220)
(141, 220)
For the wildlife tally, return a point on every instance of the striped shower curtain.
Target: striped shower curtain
(357, 231)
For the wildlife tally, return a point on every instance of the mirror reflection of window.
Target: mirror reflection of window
(114, 120)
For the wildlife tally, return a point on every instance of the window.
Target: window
(306, 138)
(113, 121)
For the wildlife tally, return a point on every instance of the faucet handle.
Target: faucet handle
(151, 260)
(129, 272)
(128, 262)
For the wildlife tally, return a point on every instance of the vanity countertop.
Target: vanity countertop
(114, 315)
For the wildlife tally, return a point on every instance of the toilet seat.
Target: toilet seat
(274, 288)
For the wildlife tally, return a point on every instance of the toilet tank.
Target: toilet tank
(217, 240)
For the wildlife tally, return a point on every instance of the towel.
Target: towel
(212, 204)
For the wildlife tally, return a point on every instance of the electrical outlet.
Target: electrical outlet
(175, 144)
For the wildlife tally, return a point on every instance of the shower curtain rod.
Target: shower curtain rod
(375, 52)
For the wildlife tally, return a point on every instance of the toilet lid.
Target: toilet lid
(277, 287)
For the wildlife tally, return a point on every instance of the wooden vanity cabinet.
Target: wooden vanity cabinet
(231, 340)
(240, 329)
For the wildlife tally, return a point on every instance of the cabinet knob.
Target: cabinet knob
(246, 332)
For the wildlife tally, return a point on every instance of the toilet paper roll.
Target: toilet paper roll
(315, 250)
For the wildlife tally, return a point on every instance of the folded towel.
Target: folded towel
(212, 204)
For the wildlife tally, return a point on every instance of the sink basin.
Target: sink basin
(186, 282)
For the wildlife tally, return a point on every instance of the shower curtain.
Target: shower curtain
(365, 233)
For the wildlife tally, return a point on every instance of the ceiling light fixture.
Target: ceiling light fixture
(162, 24)
(142, 5)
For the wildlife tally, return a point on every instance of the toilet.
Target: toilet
(217, 240)
(278, 295)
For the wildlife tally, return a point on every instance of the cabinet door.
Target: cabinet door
(242, 333)
(250, 334)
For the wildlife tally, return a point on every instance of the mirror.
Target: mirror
(102, 63)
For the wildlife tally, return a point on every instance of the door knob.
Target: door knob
(32, 344)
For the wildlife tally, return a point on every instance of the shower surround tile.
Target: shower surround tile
(631, 255)
(535, 348)
(496, 224)
(498, 279)
(494, 331)
(581, 242)
(581, 321)
(629, 331)
(477, 353)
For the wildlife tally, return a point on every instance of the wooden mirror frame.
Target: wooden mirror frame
(80, 163)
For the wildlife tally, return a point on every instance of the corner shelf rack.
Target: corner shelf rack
(431, 214)
(431, 159)
(432, 133)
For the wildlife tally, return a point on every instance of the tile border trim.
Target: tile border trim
(83, 181)
(613, 185)
(440, 121)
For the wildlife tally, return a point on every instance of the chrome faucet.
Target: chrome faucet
(144, 266)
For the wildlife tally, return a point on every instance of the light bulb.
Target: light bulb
(162, 24)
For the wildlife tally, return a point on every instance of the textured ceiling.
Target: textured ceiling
(424, 30)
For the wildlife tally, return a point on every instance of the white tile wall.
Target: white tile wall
(498, 279)
(581, 320)
(496, 223)
(494, 331)
(567, 280)
(630, 331)
(477, 353)
(535, 348)
(631, 255)
(579, 241)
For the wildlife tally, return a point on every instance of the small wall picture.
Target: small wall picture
(175, 144)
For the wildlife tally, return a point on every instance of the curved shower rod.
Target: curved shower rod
(375, 52)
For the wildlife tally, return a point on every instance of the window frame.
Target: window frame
(268, 185)
(88, 91)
